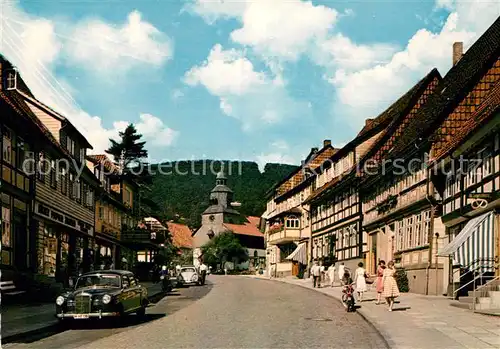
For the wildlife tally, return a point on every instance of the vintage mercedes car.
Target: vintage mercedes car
(104, 293)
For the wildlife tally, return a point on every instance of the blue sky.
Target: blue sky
(251, 80)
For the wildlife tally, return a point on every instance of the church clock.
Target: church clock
(212, 217)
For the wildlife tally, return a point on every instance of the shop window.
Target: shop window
(49, 255)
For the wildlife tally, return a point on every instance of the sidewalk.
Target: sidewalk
(22, 320)
(420, 321)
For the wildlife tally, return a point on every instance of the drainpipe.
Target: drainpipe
(430, 190)
(309, 260)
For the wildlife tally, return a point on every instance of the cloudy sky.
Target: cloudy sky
(261, 80)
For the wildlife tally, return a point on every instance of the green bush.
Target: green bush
(402, 280)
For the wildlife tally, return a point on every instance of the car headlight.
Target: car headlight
(106, 298)
(60, 300)
(194, 278)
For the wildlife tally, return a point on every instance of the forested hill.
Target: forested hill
(184, 187)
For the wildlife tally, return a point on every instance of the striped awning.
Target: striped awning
(299, 254)
(475, 242)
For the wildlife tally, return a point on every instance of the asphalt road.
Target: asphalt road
(83, 333)
(238, 312)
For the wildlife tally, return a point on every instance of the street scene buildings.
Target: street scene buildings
(418, 184)
(386, 235)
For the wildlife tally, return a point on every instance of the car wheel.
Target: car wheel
(141, 312)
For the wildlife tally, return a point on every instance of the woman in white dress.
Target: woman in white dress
(331, 274)
(360, 274)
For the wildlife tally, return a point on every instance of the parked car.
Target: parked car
(101, 294)
(188, 275)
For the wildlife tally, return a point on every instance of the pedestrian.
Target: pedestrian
(322, 274)
(331, 274)
(391, 290)
(341, 270)
(316, 274)
(380, 280)
(360, 276)
(203, 272)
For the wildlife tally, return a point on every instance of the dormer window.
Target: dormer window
(82, 155)
(11, 79)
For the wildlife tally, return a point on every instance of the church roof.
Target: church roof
(248, 228)
(221, 188)
(219, 209)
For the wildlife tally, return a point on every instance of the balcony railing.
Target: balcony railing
(284, 235)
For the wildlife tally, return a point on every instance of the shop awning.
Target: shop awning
(299, 254)
(475, 242)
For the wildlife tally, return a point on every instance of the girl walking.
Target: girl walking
(380, 280)
(391, 290)
(360, 281)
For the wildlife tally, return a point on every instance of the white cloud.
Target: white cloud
(255, 98)
(177, 94)
(366, 91)
(226, 72)
(279, 28)
(103, 47)
(33, 46)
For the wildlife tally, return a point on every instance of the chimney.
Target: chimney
(327, 142)
(314, 150)
(458, 51)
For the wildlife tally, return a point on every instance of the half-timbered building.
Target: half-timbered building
(21, 133)
(336, 208)
(397, 215)
(287, 227)
(64, 206)
(465, 158)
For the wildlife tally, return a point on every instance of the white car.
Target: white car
(188, 276)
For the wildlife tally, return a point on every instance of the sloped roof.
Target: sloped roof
(455, 85)
(103, 159)
(248, 228)
(16, 101)
(489, 106)
(386, 121)
(181, 235)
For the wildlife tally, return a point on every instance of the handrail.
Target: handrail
(471, 270)
(474, 294)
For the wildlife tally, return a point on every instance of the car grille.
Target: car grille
(82, 304)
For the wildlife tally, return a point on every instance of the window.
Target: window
(42, 163)
(82, 154)
(77, 190)
(85, 190)
(90, 198)
(7, 145)
(70, 145)
(71, 185)
(101, 213)
(11, 80)
(29, 164)
(53, 177)
(20, 153)
(64, 181)
(6, 234)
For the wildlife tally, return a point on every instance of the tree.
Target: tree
(223, 248)
(133, 151)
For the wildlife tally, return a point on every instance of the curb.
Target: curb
(54, 327)
(383, 334)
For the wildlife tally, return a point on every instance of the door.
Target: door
(20, 240)
(127, 295)
(295, 268)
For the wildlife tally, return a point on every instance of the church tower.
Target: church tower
(221, 195)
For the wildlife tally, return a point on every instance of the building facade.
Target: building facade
(287, 218)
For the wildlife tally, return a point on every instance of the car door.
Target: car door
(127, 294)
(136, 292)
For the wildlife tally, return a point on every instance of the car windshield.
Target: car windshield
(100, 280)
(188, 270)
